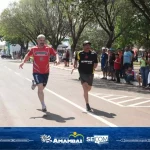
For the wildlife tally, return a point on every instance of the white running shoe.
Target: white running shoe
(33, 86)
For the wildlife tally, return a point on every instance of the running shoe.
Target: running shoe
(88, 108)
(33, 85)
(44, 109)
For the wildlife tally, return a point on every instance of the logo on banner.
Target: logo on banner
(99, 139)
(76, 135)
(73, 138)
(46, 138)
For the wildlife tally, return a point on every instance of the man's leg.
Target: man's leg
(103, 74)
(142, 70)
(86, 89)
(41, 95)
(117, 76)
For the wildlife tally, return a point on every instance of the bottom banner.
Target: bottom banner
(75, 138)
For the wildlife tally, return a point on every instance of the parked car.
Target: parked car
(6, 56)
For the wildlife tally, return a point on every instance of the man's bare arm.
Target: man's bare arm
(95, 65)
(24, 60)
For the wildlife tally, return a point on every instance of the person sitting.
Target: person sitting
(129, 75)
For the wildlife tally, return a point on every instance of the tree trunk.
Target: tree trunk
(110, 41)
(27, 45)
(73, 46)
(22, 48)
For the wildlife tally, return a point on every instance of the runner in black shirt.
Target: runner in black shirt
(87, 63)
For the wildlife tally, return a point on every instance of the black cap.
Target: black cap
(86, 42)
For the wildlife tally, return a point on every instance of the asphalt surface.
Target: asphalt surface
(114, 105)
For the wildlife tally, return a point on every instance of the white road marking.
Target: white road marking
(121, 102)
(106, 100)
(138, 106)
(140, 103)
(117, 98)
(98, 94)
(6, 67)
(107, 96)
(28, 79)
(17, 73)
(9, 69)
(79, 107)
(130, 100)
(63, 68)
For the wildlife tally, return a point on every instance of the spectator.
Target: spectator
(117, 64)
(129, 75)
(104, 58)
(64, 58)
(139, 78)
(148, 86)
(111, 65)
(127, 58)
(120, 52)
(144, 69)
(67, 58)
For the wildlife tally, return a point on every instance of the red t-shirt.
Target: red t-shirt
(41, 58)
(117, 65)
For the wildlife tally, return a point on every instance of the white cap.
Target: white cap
(103, 48)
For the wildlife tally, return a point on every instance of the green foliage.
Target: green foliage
(103, 22)
(95, 35)
(31, 18)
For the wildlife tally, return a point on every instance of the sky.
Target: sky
(4, 4)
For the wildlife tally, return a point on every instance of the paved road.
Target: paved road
(113, 104)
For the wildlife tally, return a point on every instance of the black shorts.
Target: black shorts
(111, 69)
(41, 78)
(88, 78)
(67, 59)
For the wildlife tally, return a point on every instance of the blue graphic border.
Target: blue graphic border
(119, 138)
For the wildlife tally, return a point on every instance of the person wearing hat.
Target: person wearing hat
(87, 63)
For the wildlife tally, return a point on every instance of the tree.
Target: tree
(95, 34)
(56, 26)
(31, 18)
(9, 33)
(77, 18)
(143, 6)
(107, 14)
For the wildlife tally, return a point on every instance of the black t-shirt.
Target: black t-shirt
(86, 61)
(112, 59)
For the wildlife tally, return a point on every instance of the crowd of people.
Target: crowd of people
(119, 64)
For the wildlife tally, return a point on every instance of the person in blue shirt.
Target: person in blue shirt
(104, 59)
(127, 59)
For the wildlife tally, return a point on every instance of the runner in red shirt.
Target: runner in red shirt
(117, 65)
(41, 54)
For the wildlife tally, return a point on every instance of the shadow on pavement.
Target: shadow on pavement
(106, 84)
(103, 113)
(55, 117)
